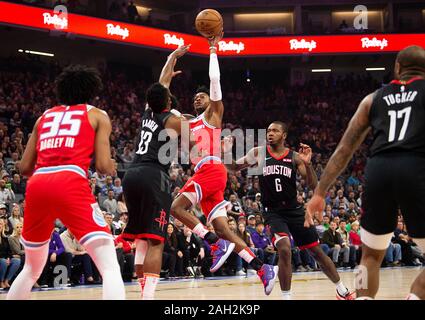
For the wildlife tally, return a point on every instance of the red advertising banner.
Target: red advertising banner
(39, 18)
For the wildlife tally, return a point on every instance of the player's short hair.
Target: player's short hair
(412, 58)
(202, 89)
(157, 97)
(77, 84)
(282, 124)
(174, 102)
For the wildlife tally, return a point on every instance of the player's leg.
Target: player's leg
(140, 255)
(83, 217)
(152, 268)
(180, 210)
(283, 246)
(411, 205)
(35, 237)
(102, 251)
(417, 290)
(280, 231)
(308, 239)
(378, 222)
(219, 220)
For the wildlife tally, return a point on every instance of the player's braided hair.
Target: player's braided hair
(78, 84)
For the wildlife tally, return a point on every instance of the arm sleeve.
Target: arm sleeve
(215, 87)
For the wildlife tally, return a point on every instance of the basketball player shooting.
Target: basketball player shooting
(57, 157)
(279, 166)
(396, 115)
(209, 181)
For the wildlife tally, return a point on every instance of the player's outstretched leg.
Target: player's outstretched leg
(35, 259)
(328, 268)
(267, 273)
(102, 251)
(283, 247)
(220, 249)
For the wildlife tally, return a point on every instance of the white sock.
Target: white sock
(35, 259)
(412, 296)
(247, 255)
(342, 290)
(200, 230)
(287, 295)
(103, 253)
(364, 298)
(141, 249)
(151, 280)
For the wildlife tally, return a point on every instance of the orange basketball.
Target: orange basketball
(209, 23)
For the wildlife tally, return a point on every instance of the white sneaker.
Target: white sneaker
(241, 273)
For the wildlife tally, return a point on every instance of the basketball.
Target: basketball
(209, 23)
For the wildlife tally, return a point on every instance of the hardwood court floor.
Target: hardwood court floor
(394, 284)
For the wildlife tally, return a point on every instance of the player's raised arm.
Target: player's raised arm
(168, 73)
(29, 158)
(216, 108)
(304, 165)
(102, 149)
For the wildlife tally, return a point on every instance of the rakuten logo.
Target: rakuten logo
(303, 44)
(172, 39)
(374, 43)
(58, 22)
(231, 46)
(117, 31)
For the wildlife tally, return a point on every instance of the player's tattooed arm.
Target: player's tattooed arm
(168, 73)
(29, 158)
(304, 165)
(357, 130)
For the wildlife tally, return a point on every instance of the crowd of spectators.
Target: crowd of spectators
(317, 113)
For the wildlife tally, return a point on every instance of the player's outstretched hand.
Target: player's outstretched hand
(213, 41)
(315, 208)
(305, 153)
(181, 51)
(227, 144)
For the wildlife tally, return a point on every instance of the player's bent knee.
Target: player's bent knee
(420, 243)
(375, 242)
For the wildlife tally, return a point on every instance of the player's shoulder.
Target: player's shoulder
(94, 110)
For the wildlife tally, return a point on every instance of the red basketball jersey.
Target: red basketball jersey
(65, 137)
(207, 138)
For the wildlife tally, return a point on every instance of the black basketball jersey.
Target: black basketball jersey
(148, 141)
(278, 180)
(397, 117)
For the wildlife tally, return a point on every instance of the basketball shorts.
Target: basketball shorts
(394, 181)
(284, 222)
(148, 198)
(207, 187)
(62, 193)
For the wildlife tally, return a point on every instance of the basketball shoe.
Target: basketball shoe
(268, 275)
(220, 251)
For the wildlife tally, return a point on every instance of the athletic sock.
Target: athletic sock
(151, 280)
(341, 288)
(247, 255)
(142, 284)
(287, 295)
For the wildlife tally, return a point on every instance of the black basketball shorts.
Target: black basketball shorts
(283, 222)
(148, 198)
(394, 181)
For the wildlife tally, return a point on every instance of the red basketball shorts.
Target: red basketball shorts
(207, 187)
(62, 193)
